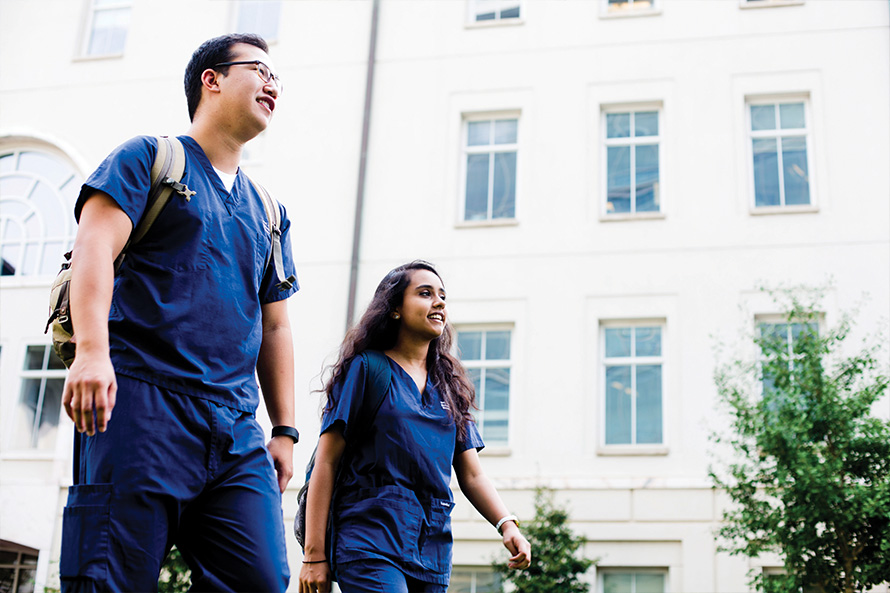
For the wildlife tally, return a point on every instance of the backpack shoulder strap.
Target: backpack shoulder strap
(379, 378)
(166, 177)
(273, 215)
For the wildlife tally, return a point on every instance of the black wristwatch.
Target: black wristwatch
(286, 431)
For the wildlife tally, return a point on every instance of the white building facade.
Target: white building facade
(603, 184)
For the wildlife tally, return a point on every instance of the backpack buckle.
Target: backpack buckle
(180, 188)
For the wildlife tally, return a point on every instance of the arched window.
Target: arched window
(38, 187)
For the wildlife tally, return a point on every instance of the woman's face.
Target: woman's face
(422, 310)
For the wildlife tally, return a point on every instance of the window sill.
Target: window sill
(497, 451)
(769, 3)
(495, 222)
(495, 23)
(97, 57)
(769, 210)
(632, 450)
(632, 13)
(632, 216)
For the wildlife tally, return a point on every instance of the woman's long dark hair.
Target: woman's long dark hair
(377, 330)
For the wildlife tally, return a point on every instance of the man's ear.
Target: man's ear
(210, 80)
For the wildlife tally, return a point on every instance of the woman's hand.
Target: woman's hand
(518, 546)
(315, 577)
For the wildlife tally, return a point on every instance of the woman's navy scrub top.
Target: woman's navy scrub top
(393, 499)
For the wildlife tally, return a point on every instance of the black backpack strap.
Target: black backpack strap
(166, 177)
(273, 215)
(379, 378)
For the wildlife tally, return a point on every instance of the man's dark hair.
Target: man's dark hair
(210, 53)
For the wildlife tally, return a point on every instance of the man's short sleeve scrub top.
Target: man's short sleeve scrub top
(394, 496)
(186, 311)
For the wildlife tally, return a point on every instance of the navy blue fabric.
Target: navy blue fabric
(394, 497)
(186, 308)
(380, 576)
(173, 469)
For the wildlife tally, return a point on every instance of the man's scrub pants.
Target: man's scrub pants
(173, 469)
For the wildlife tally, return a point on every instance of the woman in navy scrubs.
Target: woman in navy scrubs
(391, 529)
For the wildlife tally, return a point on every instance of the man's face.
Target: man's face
(249, 99)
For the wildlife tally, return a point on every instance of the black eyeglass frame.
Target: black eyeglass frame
(257, 63)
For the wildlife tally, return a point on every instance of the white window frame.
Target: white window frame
(43, 374)
(633, 448)
(92, 10)
(18, 566)
(491, 149)
(777, 319)
(601, 573)
(66, 234)
(236, 18)
(607, 142)
(473, 11)
(483, 363)
(779, 133)
(654, 8)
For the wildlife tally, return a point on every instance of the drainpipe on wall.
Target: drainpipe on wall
(360, 192)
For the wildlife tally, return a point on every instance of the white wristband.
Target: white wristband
(513, 518)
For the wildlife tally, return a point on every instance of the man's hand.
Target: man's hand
(90, 390)
(282, 450)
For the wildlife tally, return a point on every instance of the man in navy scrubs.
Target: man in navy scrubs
(163, 391)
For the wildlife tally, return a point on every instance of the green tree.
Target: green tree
(809, 476)
(555, 566)
(175, 574)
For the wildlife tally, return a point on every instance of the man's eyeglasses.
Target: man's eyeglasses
(262, 71)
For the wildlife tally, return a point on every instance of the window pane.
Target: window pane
(109, 31)
(794, 161)
(477, 187)
(504, 198)
(617, 583)
(618, 405)
(647, 178)
(54, 212)
(26, 412)
(766, 172)
(646, 123)
(497, 345)
(648, 341)
(479, 133)
(43, 166)
(475, 376)
(650, 583)
(461, 581)
(469, 344)
(618, 165)
(497, 390)
(510, 13)
(763, 117)
(649, 404)
(260, 17)
(505, 131)
(618, 342)
(618, 125)
(791, 116)
(34, 357)
(49, 414)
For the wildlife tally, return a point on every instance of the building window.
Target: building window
(474, 580)
(108, 25)
(260, 17)
(40, 403)
(638, 581)
(779, 154)
(491, 148)
(486, 356)
(619, 7)
(18, 569)
(633, 362)
(37, 194)
(494, 10)
(788, 335)
(632, 162)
